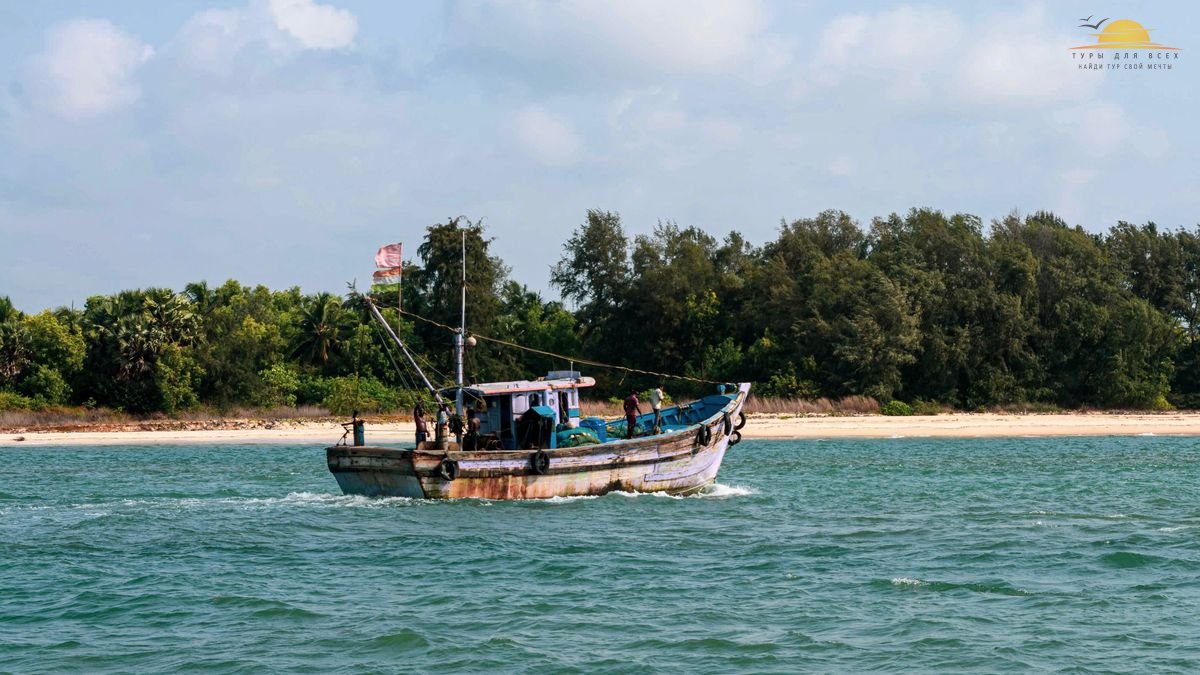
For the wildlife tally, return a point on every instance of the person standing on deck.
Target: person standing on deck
(421, 424)
(633, 408)
(471, 440)
(656, 399)
(443, 418)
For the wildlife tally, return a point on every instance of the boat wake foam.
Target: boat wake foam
(335, 500)
(330, 500)
(716, 490)
(722, 490)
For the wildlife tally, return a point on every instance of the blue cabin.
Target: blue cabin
(524, 413)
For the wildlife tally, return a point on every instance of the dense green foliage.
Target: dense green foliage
(924, 308)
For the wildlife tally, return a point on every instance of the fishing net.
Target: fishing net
(574, 438)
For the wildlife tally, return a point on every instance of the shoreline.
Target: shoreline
(761, 426)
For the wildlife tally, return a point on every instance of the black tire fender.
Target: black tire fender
(735, 438)
(726, 424)
(741, 421)
(540, 462)
(704, 435)
(448, 468)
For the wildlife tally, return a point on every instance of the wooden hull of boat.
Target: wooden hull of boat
(676, 463)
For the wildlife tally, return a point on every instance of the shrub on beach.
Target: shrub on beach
(921, 407)
(46, 387)
(367, 394)
(13, 401)
(313, 390)
(280, 383)
(896, 409)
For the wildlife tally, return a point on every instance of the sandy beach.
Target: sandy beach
(965, 425)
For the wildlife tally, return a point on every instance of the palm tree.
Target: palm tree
(202, 297)
(322, 326)
(172, 314)
(7, 311)
(139, 342)
(14, 350)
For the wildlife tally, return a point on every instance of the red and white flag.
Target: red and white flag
(386, 277)
(389, 257)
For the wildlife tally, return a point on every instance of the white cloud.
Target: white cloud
(1020, 61)
(314, 26)
(905, 38)
(1103, 129)
(843, 34)
(902, 49)
(88, 68)
(213, 39)
(1099, 128)
(654, 126)
(1014, 58)
(721, 131)
(547, 138)
(1073, 193)
(1078, 177)
(841, 166)
(674, 36)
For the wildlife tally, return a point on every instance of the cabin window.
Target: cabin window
(533, 400)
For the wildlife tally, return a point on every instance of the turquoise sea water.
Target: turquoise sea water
(902, 555)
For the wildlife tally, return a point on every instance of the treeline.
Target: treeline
(921, 307)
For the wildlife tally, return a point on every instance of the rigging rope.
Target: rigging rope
(387, 349)
(573, 359)
(357, 373)
(443, 377)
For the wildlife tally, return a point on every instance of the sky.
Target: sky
(282, 141)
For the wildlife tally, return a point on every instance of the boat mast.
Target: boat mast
(459, 336)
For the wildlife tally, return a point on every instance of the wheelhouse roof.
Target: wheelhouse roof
(524, 386)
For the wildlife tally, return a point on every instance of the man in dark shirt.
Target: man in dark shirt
(633, 408)
(422, 425)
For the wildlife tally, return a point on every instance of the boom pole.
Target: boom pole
(383, 322)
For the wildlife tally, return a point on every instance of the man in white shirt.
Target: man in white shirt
(656, 399)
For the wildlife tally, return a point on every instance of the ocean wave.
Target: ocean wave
(1132, 559)
(331, 500)
(996, 588)
(99, 509)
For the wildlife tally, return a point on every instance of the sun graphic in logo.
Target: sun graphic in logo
(1124, 34)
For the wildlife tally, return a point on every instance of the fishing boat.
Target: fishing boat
(517, 454)
(527, 440)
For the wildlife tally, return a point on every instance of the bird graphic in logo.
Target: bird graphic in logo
(1095, 26)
